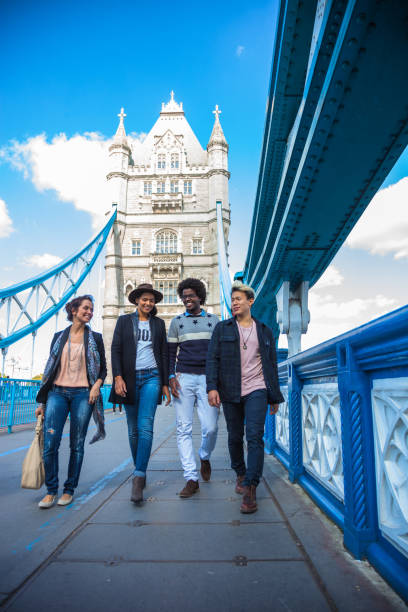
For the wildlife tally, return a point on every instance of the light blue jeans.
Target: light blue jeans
(140, 417)
(193, 388)
(61, 402)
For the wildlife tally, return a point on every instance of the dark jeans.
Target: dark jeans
(251, 411)
(140, 417)
(61, 402)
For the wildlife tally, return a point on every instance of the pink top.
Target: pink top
(252, 377)
(72, 374)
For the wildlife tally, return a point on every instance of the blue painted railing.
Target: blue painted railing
(17, 401)
(342, 434)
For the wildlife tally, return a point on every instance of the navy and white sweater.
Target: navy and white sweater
(188, 338)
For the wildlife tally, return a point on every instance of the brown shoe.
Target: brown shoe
(191, 487)
(137, 489)
(239, 487)
(205, 469)
(249, 504)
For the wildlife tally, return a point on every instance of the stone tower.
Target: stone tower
(165, 190)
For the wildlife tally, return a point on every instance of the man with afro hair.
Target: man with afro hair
(189, 336)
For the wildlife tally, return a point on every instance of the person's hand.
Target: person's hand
(39, 410)
(214, 399)
(120, 386)
(166, 394)
(273, 409)
(174, 387)
(94, 393)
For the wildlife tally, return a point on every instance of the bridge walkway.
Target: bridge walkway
(104, 553)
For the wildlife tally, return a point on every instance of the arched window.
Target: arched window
(166, 242)
(169, 290)
(128, 288)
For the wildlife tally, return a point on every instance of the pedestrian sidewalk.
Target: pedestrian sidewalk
(201, 554)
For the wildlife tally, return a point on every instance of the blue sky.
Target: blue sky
(71, 66)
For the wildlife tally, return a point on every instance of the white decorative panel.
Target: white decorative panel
(282, 422)
(390, 419)
(322, 452)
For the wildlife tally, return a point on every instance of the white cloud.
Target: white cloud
(44, 261)
(331, 277)
(383, 228)
(239, 50)
(6, 225)
(327, 308)
(330, 318)
(75, 168)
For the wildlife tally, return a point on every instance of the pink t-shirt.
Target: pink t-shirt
(252, 377)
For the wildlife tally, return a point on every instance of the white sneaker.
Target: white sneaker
(47, 504)
(66, 501)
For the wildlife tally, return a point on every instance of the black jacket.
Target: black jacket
(124, 355)
(45, 389)
(224, 362)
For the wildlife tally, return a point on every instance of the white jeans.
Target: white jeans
(193, 387)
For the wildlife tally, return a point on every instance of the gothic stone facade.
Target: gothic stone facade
(165, 190)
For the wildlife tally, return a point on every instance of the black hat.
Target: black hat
(144, 288)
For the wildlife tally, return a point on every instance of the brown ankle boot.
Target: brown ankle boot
(249, 504)
(239, 488)
(205, 470)
(137, 489)
(191, 487)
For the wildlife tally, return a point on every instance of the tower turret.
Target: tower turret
(217, 150)
(119, 151)
(119, 154)
(217, 147)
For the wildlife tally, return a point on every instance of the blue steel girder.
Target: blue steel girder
(292, 42)
(350, 128)
(31, 303)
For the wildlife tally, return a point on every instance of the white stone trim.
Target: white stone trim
(282, 423)
(389, 398)
(321, 432)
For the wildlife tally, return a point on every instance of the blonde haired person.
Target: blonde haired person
(242, 374)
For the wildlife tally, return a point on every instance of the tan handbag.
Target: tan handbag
(33, 475)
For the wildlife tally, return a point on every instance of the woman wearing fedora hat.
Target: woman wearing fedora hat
(141, 376)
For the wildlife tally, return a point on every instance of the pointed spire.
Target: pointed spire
(217, 135)
(120, 136)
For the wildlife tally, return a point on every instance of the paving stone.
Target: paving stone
(193, 587)
(191, 510)
(182, 543)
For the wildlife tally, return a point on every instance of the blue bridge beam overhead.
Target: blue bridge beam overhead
(336, 122)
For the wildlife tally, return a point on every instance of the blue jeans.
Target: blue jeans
(61, 402)
(251, 411)
(140, 417)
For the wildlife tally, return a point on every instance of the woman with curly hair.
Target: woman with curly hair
(75, 371)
